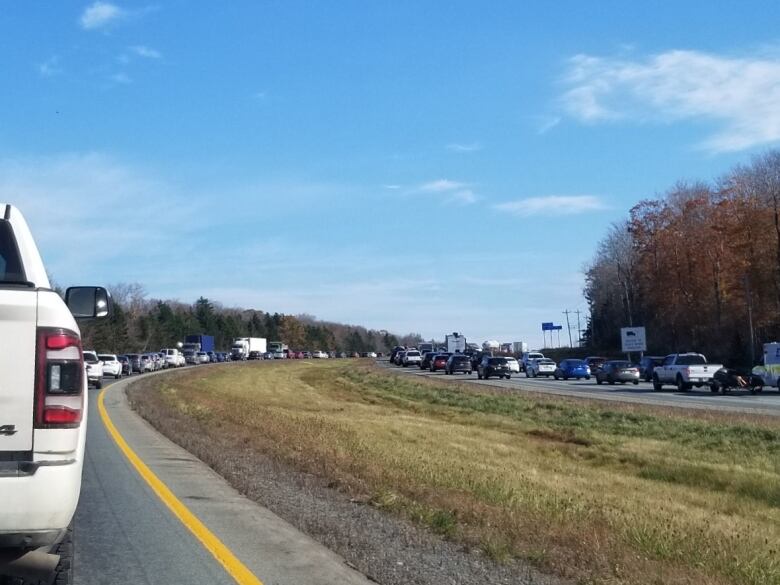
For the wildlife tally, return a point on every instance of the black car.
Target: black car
(136, 367)
(493, 366)
(125, 361)
(396, 350)
(646, 366)
(458, 363)
(425, 363)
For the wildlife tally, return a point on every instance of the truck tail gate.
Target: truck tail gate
(18, 316)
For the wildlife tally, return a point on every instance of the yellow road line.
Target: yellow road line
(222, 553)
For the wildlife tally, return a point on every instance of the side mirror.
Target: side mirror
(89, 302)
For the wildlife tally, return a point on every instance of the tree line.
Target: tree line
(699, 267)
(141, 324)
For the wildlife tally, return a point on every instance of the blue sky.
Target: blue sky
(415, 166)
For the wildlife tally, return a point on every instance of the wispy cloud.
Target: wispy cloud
(50, 67)
(741, 95)
(441, 186)
(100, 15)
(453, 191)
(548, 124)
(392, 187)
(552, 205)
(459, 147)
(145, 52)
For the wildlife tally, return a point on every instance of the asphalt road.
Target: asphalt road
(767, 402)
(126, 534)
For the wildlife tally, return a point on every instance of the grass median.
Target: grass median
(599, 494)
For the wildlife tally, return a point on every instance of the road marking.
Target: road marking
(208, 539)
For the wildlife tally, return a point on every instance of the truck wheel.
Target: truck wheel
(479, 376)
(714, 388)
(681, 385)
(527, 375)
(99, 384)
(657, 386)
(598, 380)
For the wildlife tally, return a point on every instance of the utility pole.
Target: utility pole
(579, 329)
(568, 327)
(749, 295)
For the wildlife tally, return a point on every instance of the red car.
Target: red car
(440, 361)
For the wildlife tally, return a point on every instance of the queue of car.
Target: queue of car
(533, 364)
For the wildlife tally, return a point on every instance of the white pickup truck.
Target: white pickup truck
(43, 409)
(684, 370)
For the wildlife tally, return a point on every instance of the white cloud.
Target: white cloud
(740, 95)
(441, 186)
(464, 197)
(392, 187)
(453, 191)
(145, 52)
(552, 205)
(50, 67)
(100, 15)
(470, 147)
(548, 124)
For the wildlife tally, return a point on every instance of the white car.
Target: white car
(173, 357)
(203, 357)
(111, 365)
(43, 417)
(540, 367)
(514, 365)
(320, 355)
(411, 358)
(371, 354)
(94, 369)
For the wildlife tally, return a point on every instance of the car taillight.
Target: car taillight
(59, 379)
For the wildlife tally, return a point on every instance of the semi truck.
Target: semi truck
(198, 343)
(247, 348)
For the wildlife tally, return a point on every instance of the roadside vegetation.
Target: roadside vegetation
(595, 493)
(698, 266)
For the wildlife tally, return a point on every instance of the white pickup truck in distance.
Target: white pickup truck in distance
(43, 409)
(684, 370)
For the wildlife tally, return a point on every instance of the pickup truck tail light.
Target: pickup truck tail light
(59, 379)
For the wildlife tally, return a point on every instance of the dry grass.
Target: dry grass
(591, 492)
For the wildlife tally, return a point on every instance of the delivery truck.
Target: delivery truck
(198, 343)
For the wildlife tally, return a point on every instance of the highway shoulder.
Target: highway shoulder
(268, 546)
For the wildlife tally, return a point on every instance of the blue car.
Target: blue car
(572, 369)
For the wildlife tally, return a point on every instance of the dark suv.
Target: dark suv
(458, 363)
(493, 366)
(135, 363)
(425, 363)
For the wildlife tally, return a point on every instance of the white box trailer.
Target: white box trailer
(257, 344)
(456, 343)
(519, 347)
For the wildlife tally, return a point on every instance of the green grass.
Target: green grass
(601, 494)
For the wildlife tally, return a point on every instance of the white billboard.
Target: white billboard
(633, 339)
